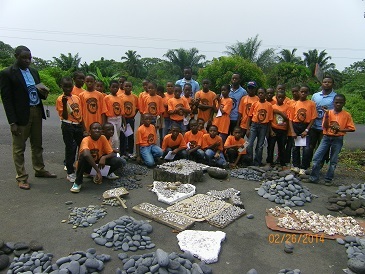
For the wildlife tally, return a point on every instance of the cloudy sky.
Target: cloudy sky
(109, 28)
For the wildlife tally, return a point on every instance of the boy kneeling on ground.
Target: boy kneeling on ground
(95, 152)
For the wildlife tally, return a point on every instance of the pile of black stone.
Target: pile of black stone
(355, 249)
(130, 177)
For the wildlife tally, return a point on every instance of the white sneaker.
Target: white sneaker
(71, 177)
(112, 176)
(75, 188)
(302, 172)
(65, 168)
(295, 169)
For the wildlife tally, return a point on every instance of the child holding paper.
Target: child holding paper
(174, 144)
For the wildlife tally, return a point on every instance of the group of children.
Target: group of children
(188, 128)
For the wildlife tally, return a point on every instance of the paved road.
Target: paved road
(37, 214)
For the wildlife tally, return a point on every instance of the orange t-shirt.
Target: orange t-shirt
(204, 131)
(174, 103)
(165, 100)
(141, 99)
(278, 122)
(194, 139)
(231, 141)
(146, 136)
(153, 105)
(129, 105)
(244, 108)
(223, 121)
(92, 107)
(77, 91)
(120, 92)
(97, 148)
(207, 99)
(114, 106)
(303, 111)
(74, 110)
(342, 119)
(261, 112)
(208, 141)
(169, 143)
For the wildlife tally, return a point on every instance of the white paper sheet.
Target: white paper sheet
(128, 131)
(300, 142)
(186, 120)
(245, 145)
(219, 113)
(170, 155)
(104, 171)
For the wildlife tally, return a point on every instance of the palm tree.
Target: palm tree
(250, 50)
(67, 62)
(312, 57)
(183, 58)
(288, 56)
(133, 63)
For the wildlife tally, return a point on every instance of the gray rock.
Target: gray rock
(4, 261)
(261, 191)
(100, 241)
(340, 241)
(350, 239)
(356, 265)
(250, 216)
(252, 271)
(162, 257)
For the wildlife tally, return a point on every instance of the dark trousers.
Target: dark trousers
(232, 154)
(72, 134)
(304, 161)
(127, 143)
(279, 138)
(232, 125)
(84, 167)
(288, 148)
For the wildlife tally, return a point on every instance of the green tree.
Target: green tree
(40, 63)
(182, 58)
(313, 57)
(133, 64)
(160, 70)
(67, 62)
(105, 79)
(220, 71)
(107, 67)
(250, 50)
(6, 55)
(287, 56)
(289, 74)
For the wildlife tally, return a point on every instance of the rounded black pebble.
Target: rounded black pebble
(4, 261)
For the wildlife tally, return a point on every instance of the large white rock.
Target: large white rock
(170, 196)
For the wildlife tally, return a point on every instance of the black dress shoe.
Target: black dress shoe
(46, 174)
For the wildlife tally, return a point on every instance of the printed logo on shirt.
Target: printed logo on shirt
(116, 108)
(92, 105)
(333, 126)
(180, 112)
(151, 139)
(279, 120)
(94, 153)
(33, 96)
(152, 108)
(75, 111)
(204, 102)
(234, 103)
(248, 107)
(261, 116)
(301, 114)
(128, 108)
(193, 144)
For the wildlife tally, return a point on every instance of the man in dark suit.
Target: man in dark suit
(22, 98)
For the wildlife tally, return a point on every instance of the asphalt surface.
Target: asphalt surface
(36, 214)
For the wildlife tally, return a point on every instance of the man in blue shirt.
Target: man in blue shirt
(21, 95)
(187, 80)
(236, 93)
(324, 101)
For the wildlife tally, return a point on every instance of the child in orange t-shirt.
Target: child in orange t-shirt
(121, 81)
(142, 95)
(261, 115)
(201, 126)
(99, 86)
(235, 147)
(224, 106)
(245, 105)
(113, 104)
(206, 98)
(92, 103)
(79, 79)
(153, 104)
(279, 130)
(175, 143)
(146, 148)
(193, 139)
(168, 95)
(270, 92)
(68, 108)
(95, 152)
(336, 123)
(178, 107)
(213, 148)
(301, 118)
(130, 109)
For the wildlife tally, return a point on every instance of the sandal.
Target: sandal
(24, 185)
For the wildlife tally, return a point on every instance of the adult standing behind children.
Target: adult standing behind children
(236, 93)
(188, 73)
(22, 99)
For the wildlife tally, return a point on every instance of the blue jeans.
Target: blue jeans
(197, 155)
(150, 153)
(167, 126)
(328, 143)
(220, 161)
(258, 131)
